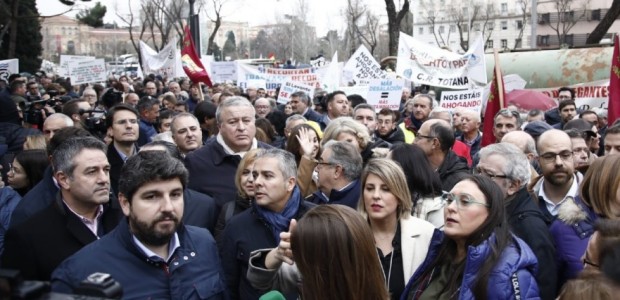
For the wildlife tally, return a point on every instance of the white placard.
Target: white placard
(274, 77)
(8, 67)
(63, 71)
(468, 99)
(87, 71)
(587, 95)
(362, 67)
(166, 63)
(289, 87)
(385, 93)
(223, 71)
(426, 64)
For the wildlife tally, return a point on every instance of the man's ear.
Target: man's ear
(514, 187)
(290, 184)
(125, 205)
(63, 180)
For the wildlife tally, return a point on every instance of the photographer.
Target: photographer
(77, 110)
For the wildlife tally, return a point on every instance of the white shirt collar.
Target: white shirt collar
(552, 207)
(172, 246)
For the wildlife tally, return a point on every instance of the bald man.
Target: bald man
(53, 123)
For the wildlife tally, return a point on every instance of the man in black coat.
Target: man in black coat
(122, 124)
(80, 215)
(508, 166)
(277, 201)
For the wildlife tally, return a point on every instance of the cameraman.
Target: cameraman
(77, 110)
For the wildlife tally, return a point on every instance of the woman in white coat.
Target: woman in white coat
(401, 240)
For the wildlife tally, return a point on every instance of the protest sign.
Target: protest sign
(468, 99)
(385, 93)
(587, 95)
(426, 64)
(274, 77)
(289, 87)
(87, 71)
(362, 67)
(257, 83)
(166, 62)
(65, 60)
(223, 71)
(8, 67)
(330, 75)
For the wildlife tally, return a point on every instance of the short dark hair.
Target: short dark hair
(565, 104)
(109, 120)
(356, 100)
(148, 166)
(564, 88)
(444, 134)
(15, 84)
(614, 129)
(146, 103)
(71, 107)
(388, 112)
(64, 155)
(205, 110)
(332, 95)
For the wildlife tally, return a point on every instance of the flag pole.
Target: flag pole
(498, 74)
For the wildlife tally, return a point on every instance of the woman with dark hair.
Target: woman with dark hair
(478, 257)
(335, 252)
(27, 170)
(304, 143)
(267, 128)
(423, 182)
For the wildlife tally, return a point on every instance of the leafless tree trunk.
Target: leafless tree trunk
(394, 19)
(567, 18)
(601, 29)
(522, 6)
(354, 11)
(368, 32)
(214, 13)
(129, 20)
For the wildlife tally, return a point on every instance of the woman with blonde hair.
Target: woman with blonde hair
(334, 251)
(401, 240)
(36, 141)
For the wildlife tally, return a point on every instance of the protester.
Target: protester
(402, 241)
(27, 170)
(477, 257)
(304, 143)
(351, 131)
(186, 132)
(423, 183)
(600, 185)
(122, 125)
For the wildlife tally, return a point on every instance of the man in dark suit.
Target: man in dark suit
(81, 214)
(122, 124)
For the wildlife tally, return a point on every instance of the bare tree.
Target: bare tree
(522, 7)
(369, 31)
(136, 33)
(601, 29)
(567, 18)
(354, 10)
(464, 20)
(394, 19)
(214, 12)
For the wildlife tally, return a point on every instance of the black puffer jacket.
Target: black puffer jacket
(453, 169)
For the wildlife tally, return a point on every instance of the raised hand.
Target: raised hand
(305, 142)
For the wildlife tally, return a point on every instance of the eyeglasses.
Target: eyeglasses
(550, 157)
(425, 136)
(462, 200)
(322, 163)
(479, 171)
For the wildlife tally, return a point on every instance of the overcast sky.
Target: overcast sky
(324, 14)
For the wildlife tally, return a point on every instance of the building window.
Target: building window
(421, 30)
(431, 29)
(441, 29)
(504, 25)
(64, 31)
(504, 8)
(491, 25)
(518, 43)
(519, 24)
(544, 18)
(504, 44)
(596, 15)
(476, 27)
(489, 44)
(452, 28)
(543, 40)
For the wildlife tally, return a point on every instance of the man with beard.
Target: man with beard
(337, 106)
(151, 254)
(571, 221)
(81, 213)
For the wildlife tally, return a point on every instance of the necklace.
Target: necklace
(389, 275)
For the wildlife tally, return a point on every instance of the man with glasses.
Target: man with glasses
(506, 164)
(339, 171)
(505, 121)
(571, 221)
(387, 129)
(436, 139)
(122, 124)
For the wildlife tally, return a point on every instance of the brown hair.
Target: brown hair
(293, 146)
(589, 285)
(35, 141)
(600, 184)
(247, 160)
(332, 240)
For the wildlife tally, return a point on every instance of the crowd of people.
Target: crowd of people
(182, 191)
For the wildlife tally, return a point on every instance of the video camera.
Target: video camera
(95, 122)
(97, 286)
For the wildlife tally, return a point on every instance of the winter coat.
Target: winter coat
(452, 170)
(429, 209)
(348, 196)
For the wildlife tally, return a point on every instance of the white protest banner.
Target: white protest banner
(587, 95)
(223, 71)
(362, 67)
(425, 64)
(319, 62)
(8, 67)
(257, 83)
(330, 76)
(63, 71)
(274, 77)
(385, 93)
(468, 99)
(87, 71)
(289, 87)
(163, 63)
(361, 90)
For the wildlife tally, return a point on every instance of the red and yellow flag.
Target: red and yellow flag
(494, 104)
(191, 63)
(613, 106)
